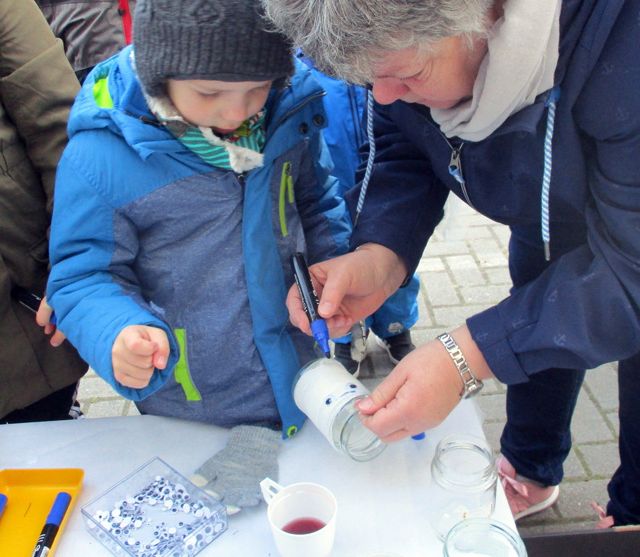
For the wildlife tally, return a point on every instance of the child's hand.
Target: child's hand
(136, 352)
(43, 317)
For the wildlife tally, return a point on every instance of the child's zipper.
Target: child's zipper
(286, 195)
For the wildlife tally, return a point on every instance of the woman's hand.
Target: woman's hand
(421, 390)
(350, 287)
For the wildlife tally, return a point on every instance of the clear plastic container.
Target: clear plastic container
(463, 482)
(482, 537)
(326, 392)
(155, 512)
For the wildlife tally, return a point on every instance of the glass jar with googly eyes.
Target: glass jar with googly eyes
(327, 393)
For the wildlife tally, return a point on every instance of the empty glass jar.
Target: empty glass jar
(463, 482)
(483, 537)
(326, 392)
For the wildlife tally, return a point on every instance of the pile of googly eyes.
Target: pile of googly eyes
(160, 520)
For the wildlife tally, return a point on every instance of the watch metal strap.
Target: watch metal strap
(471, 385)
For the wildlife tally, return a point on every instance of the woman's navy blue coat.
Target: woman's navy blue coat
(583, 308)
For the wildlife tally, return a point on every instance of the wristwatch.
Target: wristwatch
(471, 384)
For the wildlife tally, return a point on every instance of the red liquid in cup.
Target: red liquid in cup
(305, 525)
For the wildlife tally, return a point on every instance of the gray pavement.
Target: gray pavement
(464, 270)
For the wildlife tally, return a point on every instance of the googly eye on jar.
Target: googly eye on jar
(327, 393)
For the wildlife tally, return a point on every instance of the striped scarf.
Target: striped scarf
(239, 151)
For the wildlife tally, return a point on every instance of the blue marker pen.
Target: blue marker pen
(3, 503)
(29, 300)
(52, 524)
(310, 302)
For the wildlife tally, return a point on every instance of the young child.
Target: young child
(195, 169)
(345, 136)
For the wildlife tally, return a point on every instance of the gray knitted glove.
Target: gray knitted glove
(233, 475)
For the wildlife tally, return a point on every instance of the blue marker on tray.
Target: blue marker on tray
(310, 302)
(3, 503)
(52, 524)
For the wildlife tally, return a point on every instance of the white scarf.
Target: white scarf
(519, 65)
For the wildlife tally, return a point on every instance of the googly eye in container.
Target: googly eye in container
(155, 512)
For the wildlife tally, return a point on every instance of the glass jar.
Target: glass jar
(326, 392)
(483, 537)
(463, 482)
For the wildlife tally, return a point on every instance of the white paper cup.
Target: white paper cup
(296, 507)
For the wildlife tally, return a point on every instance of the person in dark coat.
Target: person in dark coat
(91, 31)
(530, 113)
(38, 374)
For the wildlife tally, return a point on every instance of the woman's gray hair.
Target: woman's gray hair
(344, 37)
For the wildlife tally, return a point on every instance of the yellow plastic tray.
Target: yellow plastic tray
(30, 494)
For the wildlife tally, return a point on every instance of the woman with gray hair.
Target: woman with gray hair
(530, 113)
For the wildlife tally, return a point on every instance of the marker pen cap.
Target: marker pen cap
(321, 334)
(56, 514)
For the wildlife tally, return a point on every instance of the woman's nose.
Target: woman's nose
(387, 90)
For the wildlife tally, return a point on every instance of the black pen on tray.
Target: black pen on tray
(52, 524)
(29, 300)
(310, 302)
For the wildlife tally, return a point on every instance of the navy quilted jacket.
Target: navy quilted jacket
(582, 308)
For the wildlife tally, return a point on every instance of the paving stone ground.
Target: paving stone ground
(464, 270)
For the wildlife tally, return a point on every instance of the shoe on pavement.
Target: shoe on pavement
(342, 353)
(524, 497)
(351, 354)
(397, 346)
(75, 412)
(604, 521)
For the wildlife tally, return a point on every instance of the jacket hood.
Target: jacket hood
(112, 98)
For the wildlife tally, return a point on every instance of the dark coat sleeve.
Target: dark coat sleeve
(404, 200)
(584, 310)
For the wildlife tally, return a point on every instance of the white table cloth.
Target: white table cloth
(382, 504)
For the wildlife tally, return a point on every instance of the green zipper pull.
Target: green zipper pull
(286, 194)
(182, 373)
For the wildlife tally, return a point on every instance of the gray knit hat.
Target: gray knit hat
(225, 40)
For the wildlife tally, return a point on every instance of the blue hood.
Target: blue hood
(112, 98)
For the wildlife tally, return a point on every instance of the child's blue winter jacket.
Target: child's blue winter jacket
(144, 232)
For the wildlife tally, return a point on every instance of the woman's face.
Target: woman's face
(440, 78)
